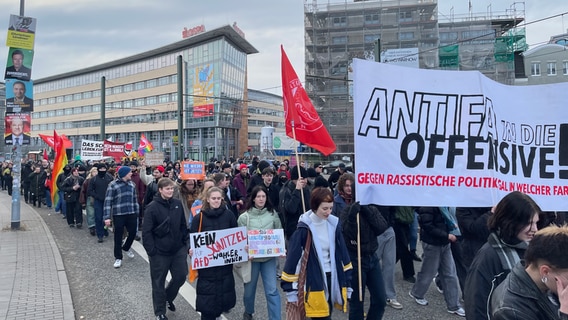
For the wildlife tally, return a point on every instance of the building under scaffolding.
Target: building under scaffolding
(337, 31)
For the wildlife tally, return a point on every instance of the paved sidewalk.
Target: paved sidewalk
(33, 283)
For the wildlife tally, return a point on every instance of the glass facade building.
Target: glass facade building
(141, 97)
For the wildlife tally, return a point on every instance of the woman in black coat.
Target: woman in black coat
(71, 192)
(37, 186)
(215, 285)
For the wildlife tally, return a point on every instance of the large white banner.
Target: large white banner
(457, 138)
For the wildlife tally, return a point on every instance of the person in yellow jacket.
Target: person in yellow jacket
(328, 280)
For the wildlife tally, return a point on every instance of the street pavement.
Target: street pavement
(51, 271)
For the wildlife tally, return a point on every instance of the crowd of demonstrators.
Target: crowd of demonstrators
(261, 215)
(489, 242)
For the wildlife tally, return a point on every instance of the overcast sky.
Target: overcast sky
(74, 34)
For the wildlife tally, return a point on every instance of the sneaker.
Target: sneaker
(422, 302)
(161, 317)
(117, 263)
(415, 257)
(394, 304)
(79, 225)
(459, 311)
(410, 279)
(130, 254)
(171, 306)
(92, 231)
(100, 240)
(247, 316)
(71, 226)
(437, 286)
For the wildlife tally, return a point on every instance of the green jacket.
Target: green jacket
(256, 219)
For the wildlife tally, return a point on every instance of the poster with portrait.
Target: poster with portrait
(19, 96)
(19, 64)
(17, 128)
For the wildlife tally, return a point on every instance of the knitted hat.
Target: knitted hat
(294, 173)
(263, 164)
(160, 168)
(243, 166)
(123, 171)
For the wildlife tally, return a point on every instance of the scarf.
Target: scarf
(507, 253)
(451, 221)
(347, 198)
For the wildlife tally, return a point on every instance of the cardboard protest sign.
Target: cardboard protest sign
(218, 247)
(266, 243)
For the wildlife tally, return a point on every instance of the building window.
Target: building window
(535, 69)
(551, 68)
(139, 85)
(339, 40)
(372, 19)
(128, 87)
(405, 16)
(406, 36)
(448, 36)
(339, 21)
(565, 67)
(87, 94)
(371, 38)
(151, 83)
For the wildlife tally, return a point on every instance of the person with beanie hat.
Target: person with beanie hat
(291, 205)
(256, 178)
(97, 190)
(242, 180)
(122, 205)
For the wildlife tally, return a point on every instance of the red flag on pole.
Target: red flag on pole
(45, 157)
(300, 113)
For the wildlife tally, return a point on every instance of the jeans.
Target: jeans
(461, 269)
(372, 278)
(438, 259)
(267, 270)
(90, 210)
(99, 223)
(130, 221)
(387, 256)
(413, 238)
(159, 267)
(61, 205)
(48, 198)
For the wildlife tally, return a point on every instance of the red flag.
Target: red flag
(300, 113)
(45, 157)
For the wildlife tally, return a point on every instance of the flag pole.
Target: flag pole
(298, 165)
(359, 258)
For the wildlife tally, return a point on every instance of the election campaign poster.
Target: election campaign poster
(456, 138)
(17, 128)
(19, 96)
(19, 64)
(218, 247)
(91, 150)
(21, 32)
(266, 243)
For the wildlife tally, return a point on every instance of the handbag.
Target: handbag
(244, 269)
(192, 274)
(297, 310)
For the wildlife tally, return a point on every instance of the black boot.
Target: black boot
(415, 257)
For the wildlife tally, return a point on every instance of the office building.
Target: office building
(141, 93)
(547, 63)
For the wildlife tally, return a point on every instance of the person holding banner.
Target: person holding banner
(261, 216)
(215, 290)
(165, 237)
(328, 270)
